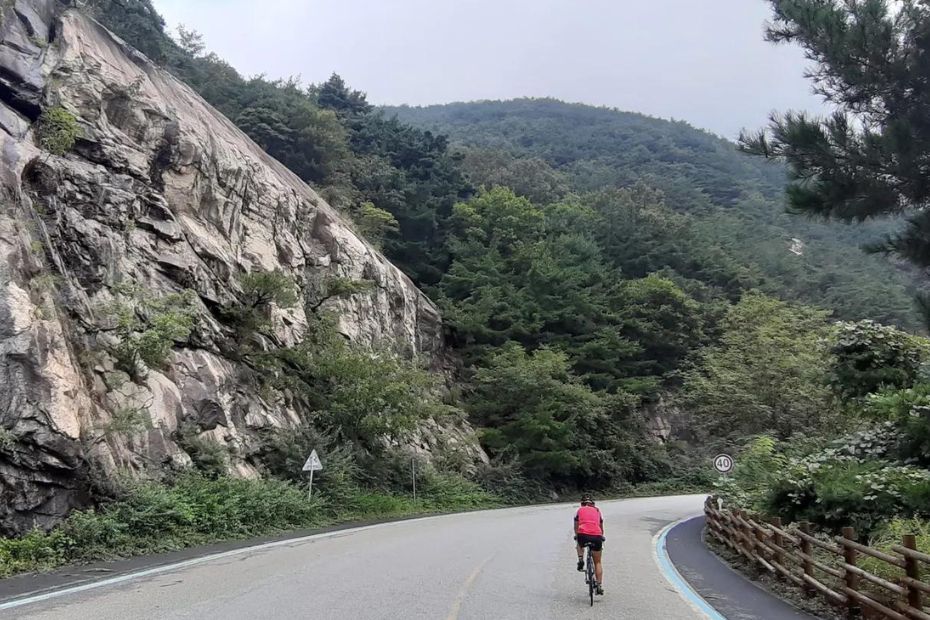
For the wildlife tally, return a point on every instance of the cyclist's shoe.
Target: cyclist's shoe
(599, 589)
(580, 565)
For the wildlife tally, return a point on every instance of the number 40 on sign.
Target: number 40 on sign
(723, 463)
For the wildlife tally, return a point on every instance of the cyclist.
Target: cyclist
(589, 528)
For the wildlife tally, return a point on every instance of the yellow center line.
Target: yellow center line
(457, 605)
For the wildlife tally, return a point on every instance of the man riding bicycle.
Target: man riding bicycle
(589, 529)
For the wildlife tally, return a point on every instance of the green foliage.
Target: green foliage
(285, 451)
(153, 518)
(907, 411)
(609, 269)
(375, 224)
(662, 319)
(535, 411)
(210, 458)
(7, 441)
(260, 291)
(128, 421)
(148, 327)
(537, 276)
(844, 484)
(854, 480)
(57, 130)
(868, 357)
(262, 288)
(848, 492)
(530, 406)
(756, 468)
(889, 535)
(356, 394)
(866, 159)
(529, 177)
(767, 374)
(335, 95)
(735, 231)
(190, 41)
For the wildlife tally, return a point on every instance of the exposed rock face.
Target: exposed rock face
(164, 192)
(664, 420)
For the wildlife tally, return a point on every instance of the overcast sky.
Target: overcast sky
(703, 61)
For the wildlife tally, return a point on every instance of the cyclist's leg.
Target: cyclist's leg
(598, 569)
(580, 548)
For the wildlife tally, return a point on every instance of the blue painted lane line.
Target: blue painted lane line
(674, 577)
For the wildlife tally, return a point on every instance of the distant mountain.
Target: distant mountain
(734, 199)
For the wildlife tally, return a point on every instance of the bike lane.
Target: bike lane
(726, 593)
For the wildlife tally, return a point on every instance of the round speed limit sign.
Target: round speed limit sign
(723, 463)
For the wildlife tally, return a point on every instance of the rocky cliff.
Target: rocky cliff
(162, 192)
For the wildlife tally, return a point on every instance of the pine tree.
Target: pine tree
(871, 157)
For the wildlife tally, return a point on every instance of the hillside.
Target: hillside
(731, 201)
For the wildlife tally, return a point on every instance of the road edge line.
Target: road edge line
(671, 574)
(38, 598)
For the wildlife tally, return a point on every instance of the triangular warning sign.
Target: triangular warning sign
(313, 463)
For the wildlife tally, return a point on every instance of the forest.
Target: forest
(595, 266)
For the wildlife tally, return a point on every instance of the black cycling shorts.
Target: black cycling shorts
(597, 542)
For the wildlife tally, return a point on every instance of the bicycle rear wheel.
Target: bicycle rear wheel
(590, 572)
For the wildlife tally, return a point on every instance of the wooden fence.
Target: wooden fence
(833, 567)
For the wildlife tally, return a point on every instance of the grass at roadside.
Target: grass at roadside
(195, 510)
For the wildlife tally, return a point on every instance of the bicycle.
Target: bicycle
(589, 578)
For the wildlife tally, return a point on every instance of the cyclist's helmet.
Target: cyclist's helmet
(586, 500)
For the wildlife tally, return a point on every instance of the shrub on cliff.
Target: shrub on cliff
(147, 327)
(57, 130)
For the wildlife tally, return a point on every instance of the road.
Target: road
(512, 563)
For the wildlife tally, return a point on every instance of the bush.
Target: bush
(868, 356)
(286, 450)
(357, 395)
(845, 492)
(57, 130)
(907, 412)
(154, 517)
(507, 481)
(260, 290)
(148, 327)
(890, 534)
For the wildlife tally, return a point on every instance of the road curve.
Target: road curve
(512, 563)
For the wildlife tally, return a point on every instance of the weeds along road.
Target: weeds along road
(512, 563)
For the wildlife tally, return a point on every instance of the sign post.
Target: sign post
(413, 474)
(313, 464)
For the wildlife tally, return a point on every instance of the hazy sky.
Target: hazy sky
(703, 61)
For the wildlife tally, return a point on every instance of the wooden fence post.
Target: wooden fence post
(746, 537)
(851, 579)
(912, 569)
(808, 550)
(779, 542)
(760, 538)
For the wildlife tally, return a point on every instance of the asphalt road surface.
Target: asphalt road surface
(513, 563)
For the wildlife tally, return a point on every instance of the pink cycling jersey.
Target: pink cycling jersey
(589, 521)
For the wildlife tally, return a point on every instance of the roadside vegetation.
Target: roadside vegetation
(871, 470)
(193, 509)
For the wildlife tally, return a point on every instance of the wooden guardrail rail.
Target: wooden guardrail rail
(831, 567)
